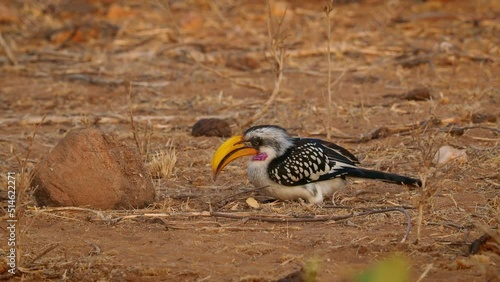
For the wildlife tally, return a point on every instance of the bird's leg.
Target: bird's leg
(333, 197)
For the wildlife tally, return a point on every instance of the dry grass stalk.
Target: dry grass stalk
(142, 141)
(8, 51)
(277, 49)
(328, 11)
(430, 181)
(45, 251)
(163, 162)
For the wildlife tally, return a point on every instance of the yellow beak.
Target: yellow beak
(230, 150)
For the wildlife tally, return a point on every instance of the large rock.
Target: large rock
(90, 168)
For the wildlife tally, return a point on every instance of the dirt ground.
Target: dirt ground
(89, 63)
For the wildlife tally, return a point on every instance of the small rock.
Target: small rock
(417, 94)
(446, 154)
(211, 127)
(485, 243)
(89, 168)
(479, 118)
(244, 63)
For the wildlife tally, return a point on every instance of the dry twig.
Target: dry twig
(387, 131)
(99, 80)
(45, 251)
(100, 118)
(264, 217)
(279, 217)
(426, 271)
(100, 214)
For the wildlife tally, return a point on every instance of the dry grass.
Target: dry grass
(431, 180)
(141, 132)
(23, 191)
(163, 162)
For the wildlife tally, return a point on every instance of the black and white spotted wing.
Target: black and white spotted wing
(311, 160)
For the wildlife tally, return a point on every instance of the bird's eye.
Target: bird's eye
(256, 142)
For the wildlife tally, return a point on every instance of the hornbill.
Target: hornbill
(290, 168)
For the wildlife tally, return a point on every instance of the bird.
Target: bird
(293, 168)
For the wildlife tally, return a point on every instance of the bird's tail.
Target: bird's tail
(384, 176)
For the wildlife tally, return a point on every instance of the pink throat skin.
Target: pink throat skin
(260, 157)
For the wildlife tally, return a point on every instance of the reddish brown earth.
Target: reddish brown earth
(89, 63)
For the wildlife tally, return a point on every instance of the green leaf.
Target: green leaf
(393, 269)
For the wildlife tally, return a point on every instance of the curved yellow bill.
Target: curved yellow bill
(230, 150)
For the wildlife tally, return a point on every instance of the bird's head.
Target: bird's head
(263, 142)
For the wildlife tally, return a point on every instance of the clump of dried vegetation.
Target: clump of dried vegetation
(23, 192)
(163, 162)
(141, 132)
(432, 180)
